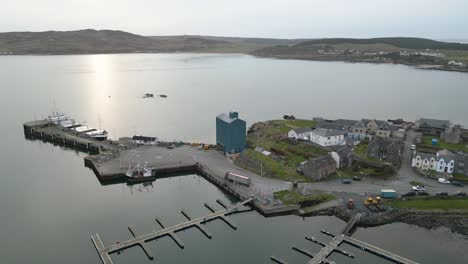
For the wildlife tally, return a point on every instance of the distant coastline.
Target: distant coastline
(416, 52)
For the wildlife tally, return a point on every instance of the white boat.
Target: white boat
(97, 134)
(57, 117)
(140, 173)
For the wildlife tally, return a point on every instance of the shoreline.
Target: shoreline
(414, 66)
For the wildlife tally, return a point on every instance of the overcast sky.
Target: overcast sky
(439, 19)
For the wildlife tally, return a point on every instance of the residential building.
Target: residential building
(319, 168)
(358, 131)
(327, 137)
(300, 133)
(424, 161)
(143, 140)
(461, 163)
(385, 149)
(230, 133)
(433, 126)
(443, 161)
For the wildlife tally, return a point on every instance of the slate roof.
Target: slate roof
(446, 155)
(321, 161)
(301, 130)
(329, 125)
(359, 124)
(425, 155)
(436, 123)
(346, 122)
(328, 132)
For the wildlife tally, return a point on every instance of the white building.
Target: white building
(328, 137)
(442, 161)
(300, 133)
(142, 140)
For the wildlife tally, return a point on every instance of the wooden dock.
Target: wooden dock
(141, 240)
(333, 246)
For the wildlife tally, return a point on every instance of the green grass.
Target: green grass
(277, 169)
(272, 138)
(431, 204)
(415, 183)
(427, 141)
(459, 177)
(292, 197)
(344, 173)
(361, 151)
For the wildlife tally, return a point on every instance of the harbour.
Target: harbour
(110, 208)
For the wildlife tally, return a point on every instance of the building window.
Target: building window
(461, 164)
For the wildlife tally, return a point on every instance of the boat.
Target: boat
(162, 96)
(97, 134)
(148, 95)
(140, 173)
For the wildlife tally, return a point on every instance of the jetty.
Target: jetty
(333, 246)
(48, 131)
(141, 240)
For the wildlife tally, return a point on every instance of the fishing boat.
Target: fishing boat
(140, 173)
(97, 134)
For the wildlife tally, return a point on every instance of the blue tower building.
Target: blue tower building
(230, 133)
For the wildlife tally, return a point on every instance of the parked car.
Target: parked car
(460, 194)
(346, 181)
(423, 193)
(356, 178)
(419, 188)
(443, 180)
(456, 183)
(442, 193)
(408, 194)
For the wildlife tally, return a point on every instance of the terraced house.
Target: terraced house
(443, 161)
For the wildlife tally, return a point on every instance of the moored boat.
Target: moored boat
(140, 173)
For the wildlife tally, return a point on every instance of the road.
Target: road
(400, 182)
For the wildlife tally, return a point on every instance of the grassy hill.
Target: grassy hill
(399, 42)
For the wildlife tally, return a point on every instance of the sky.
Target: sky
(437, 19)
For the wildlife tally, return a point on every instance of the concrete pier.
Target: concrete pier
(141, 240)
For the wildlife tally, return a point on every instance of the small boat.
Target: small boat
(162, 96)
(148, 95)
(97, 134)
(140, 173)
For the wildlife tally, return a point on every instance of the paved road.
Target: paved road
(186, 155)
(400, 182)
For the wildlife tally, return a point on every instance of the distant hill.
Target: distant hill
(400, 42)
(75, 42)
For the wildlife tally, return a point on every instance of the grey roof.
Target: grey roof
(330, 125)
(321, 161)
(343, 151)
(328, 132)
(386, 126)
(445, 154)
(359, 124)
(226, 118)
(436, 123)
(346, 122)
(301, 130)
(425, 155)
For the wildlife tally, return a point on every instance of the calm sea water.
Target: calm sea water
(50, 203)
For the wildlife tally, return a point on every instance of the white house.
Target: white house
(442, 161)
(328, 137)
(300, 133)
(142, 140)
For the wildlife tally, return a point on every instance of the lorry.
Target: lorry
(388, 193)
(237, 178)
